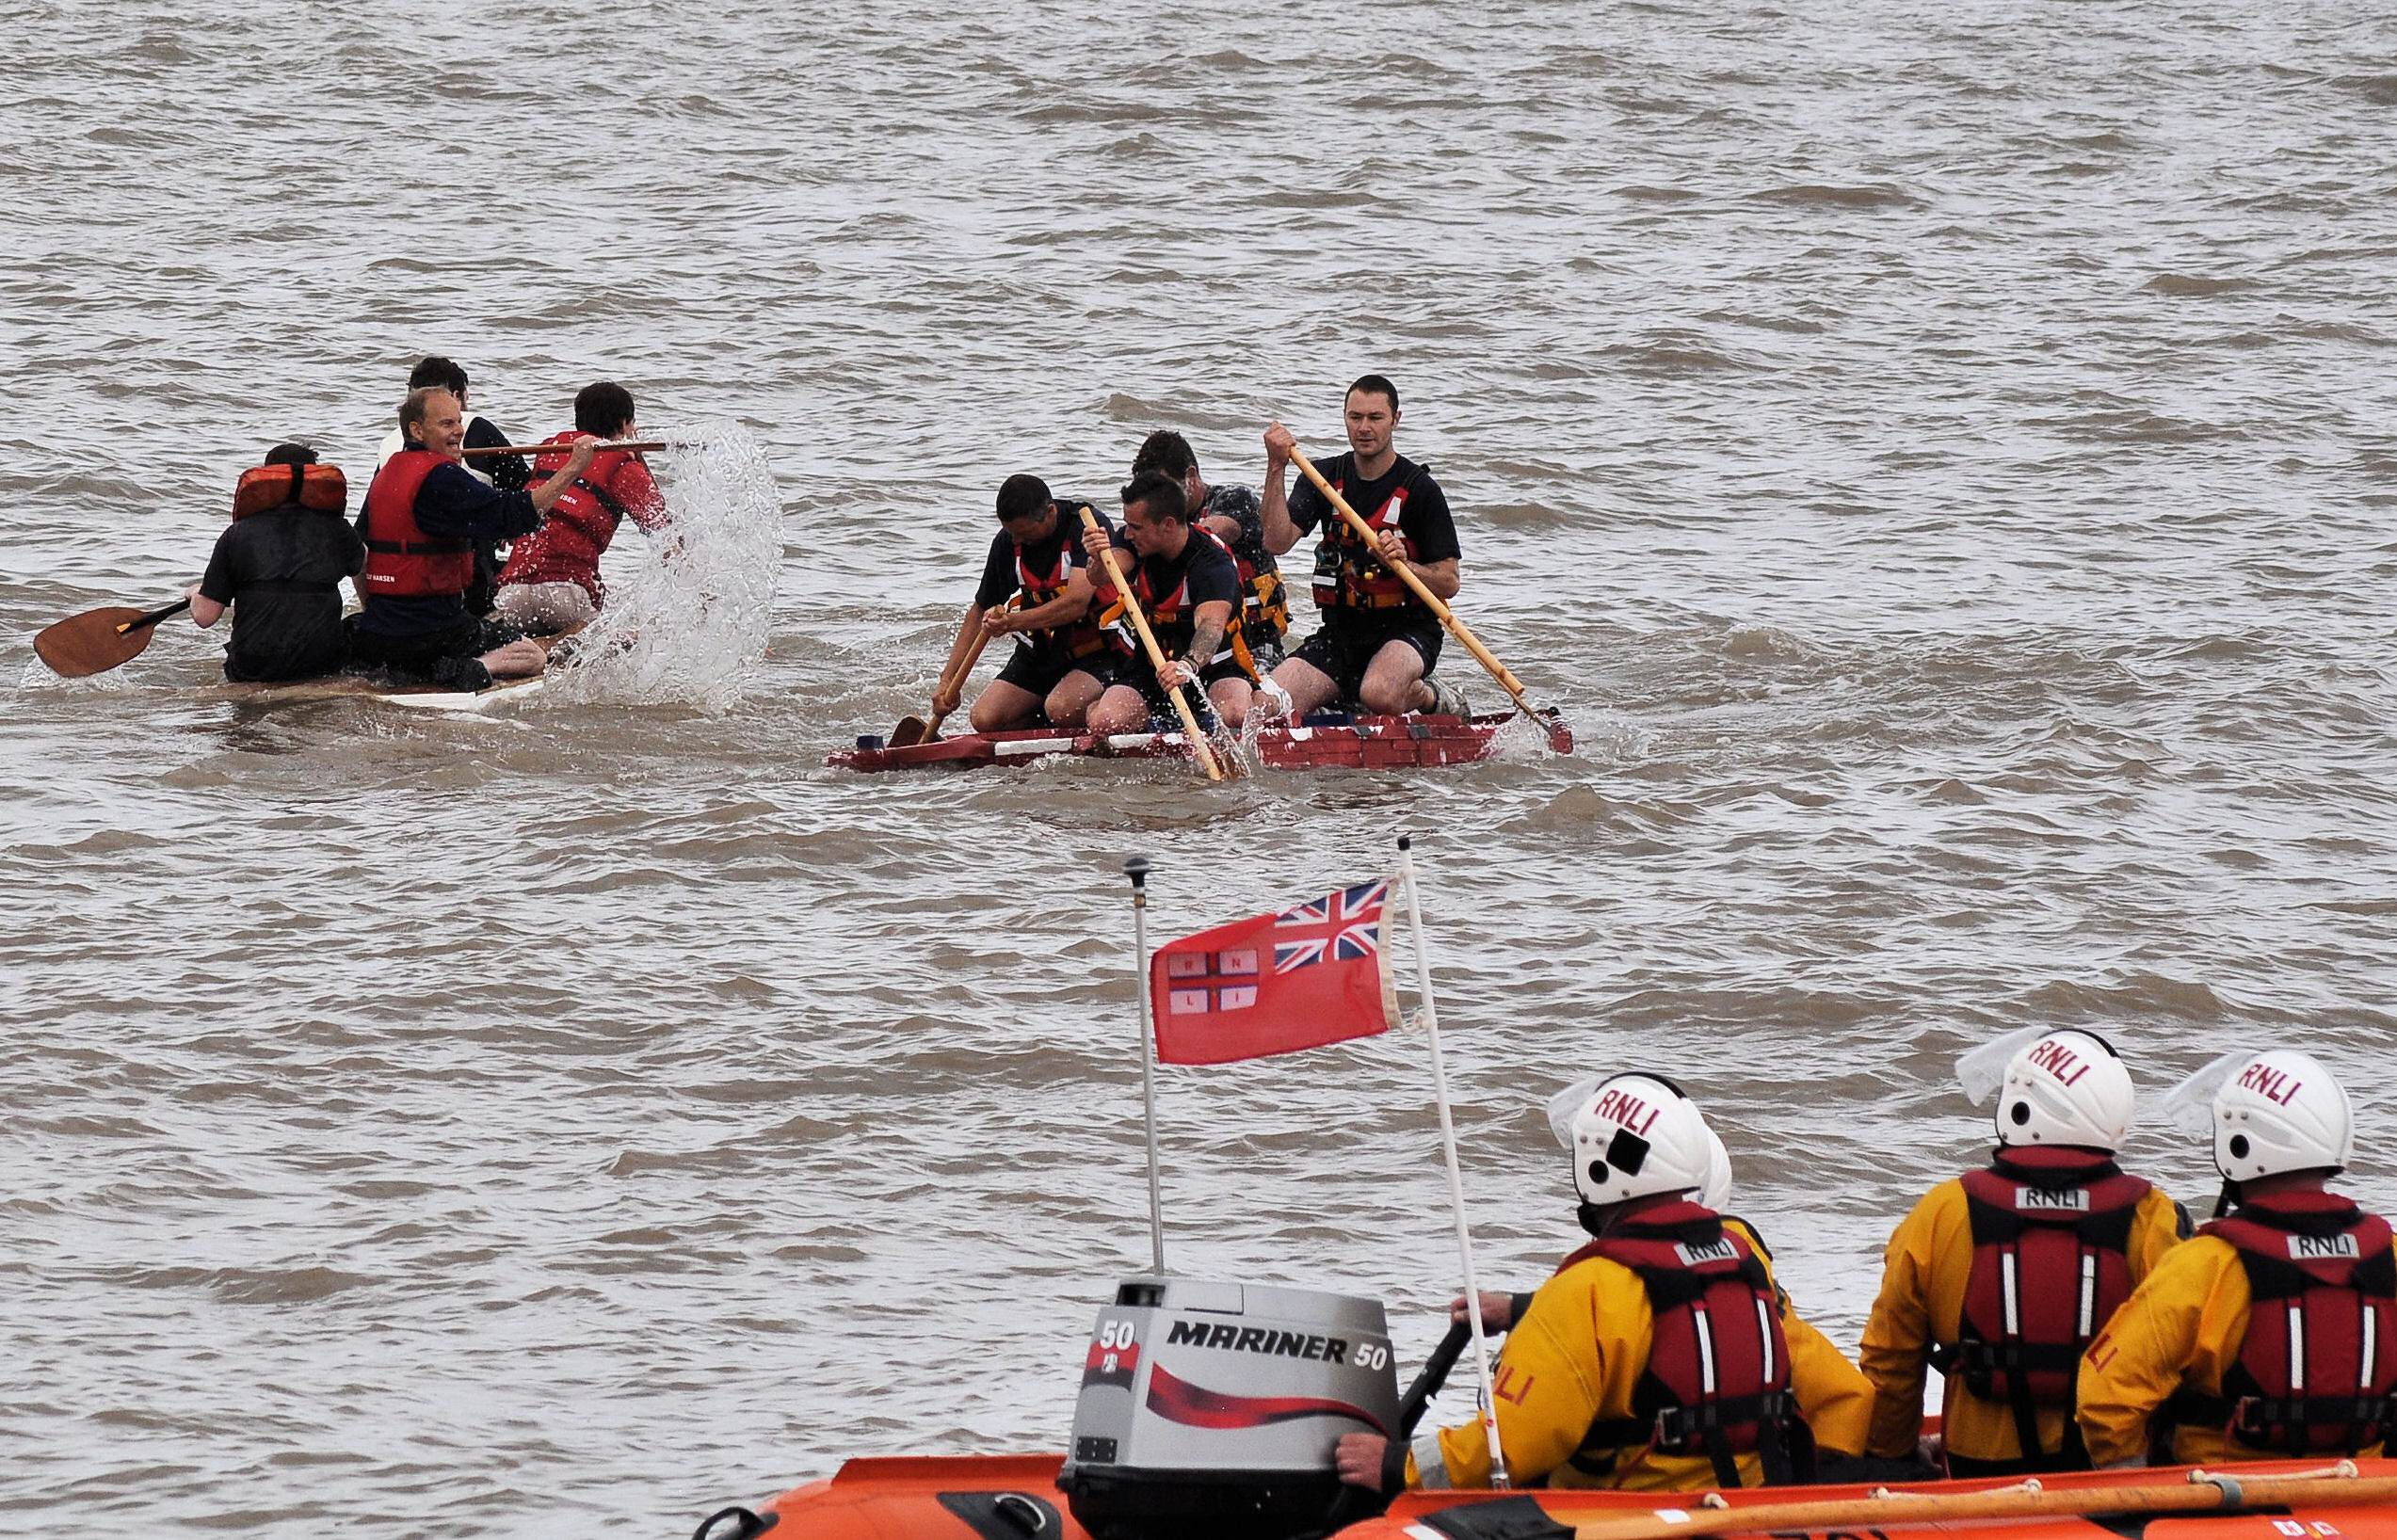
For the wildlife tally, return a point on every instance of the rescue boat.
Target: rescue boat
(1323, 742)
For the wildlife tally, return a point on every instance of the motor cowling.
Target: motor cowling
(1213, 1408)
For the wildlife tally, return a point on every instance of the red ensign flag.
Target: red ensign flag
(1276, 983)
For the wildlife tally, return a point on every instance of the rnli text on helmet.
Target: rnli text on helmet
(1622, 1107)
(2057, 1060)
(2270, 1083)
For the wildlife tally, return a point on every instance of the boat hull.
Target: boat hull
(1360, 743)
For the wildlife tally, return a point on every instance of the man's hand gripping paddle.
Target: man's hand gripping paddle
(1157, 658)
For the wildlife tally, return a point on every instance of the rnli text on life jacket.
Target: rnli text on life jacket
(1280, 1345)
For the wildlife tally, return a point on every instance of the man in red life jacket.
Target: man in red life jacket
(552, 580)
(424, 513)
(1188, 589)
(1378, 642)
(508, 472)
(1035, 588)
(2000, 1277)
(1654, 1359)
(2272, 1334)
(279, 567)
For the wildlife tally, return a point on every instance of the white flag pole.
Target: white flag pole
(1137, 869)
(1456, 1180)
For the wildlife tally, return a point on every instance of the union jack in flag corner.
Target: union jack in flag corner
(1212, 999)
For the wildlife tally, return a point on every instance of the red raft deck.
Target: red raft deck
(1015, 1498)
(1357, 743)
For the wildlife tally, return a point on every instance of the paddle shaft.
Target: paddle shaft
(153, 617)
(1157, 656)
(626, 447)
(1912, 1510)
(1438, 606)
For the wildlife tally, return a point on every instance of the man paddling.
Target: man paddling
(552, 580)
(508, 472)
(424, 513)
(278, 568)
(1188, 590)
(1035, 588)
(1232, 515)
(1378, 642)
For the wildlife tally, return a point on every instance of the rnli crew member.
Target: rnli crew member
(1378, 642)
(508, 472)
(1654, 1359)
(1035, 588)
(1188, 588)
(280, 567)
(2002, 1278)
(1232, 515)
(2272, 1334)
(552, 580)
(423, 515)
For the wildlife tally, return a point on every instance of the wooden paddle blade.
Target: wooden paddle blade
(909, 732)
(90, 642)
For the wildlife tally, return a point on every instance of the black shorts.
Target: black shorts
(423, 654)
(1141, 675)
(1344, 655)
(1037, 670)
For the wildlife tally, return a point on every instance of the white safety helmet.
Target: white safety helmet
(2064, 1087)
(1715, 1193)
(1635, 1136)
(2281, 1111)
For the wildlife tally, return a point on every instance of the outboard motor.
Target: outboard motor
(1213, 1409)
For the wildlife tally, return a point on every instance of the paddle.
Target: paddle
(1888, 1510)
(912, 731)
(99, 640)
(1157, 657)
(625, 446)
(1560, 737)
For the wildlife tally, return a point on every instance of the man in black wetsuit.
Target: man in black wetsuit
(1232, 515)
(1188, 589)
(423, 515)
(1035, 588)
(1378, 641)
(278, 568)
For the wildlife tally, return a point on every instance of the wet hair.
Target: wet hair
(290, 453)
(602, 406)
(1375, 385)
(438, 372)
(1167, 451)
(1022, 496)
(413, 410)
(1161, 494)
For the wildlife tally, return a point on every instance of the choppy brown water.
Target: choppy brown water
(1938, 455)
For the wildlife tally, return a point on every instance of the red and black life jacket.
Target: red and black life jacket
(1717, 1380)
(578, 527)
(1349, 573)
(2317, 1368)
(402, 561)
(1039, 586)
(2051, 1262)
(321, 487)
(1173, 618)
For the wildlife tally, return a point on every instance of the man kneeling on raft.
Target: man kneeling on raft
(1188, 589)
(552, 580)
(424, 513)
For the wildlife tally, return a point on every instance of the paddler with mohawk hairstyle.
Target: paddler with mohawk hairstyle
(1036, 587)
(1608, 1360)
(2002, 1278)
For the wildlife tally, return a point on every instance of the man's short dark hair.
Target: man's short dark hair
(439, 373)
(290, 453)
(1160, 494)
(1375, 385)
(602, 406)
(413, 410)
(1167, 451)
(1022, 496)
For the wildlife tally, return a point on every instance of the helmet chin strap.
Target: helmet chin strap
(1595, 1218)
(2229, 1199)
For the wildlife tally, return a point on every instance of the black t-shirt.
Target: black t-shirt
(1423, 518)
(280, 570)
(1210, 573)
(999, 579)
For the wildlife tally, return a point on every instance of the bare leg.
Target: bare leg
(1394, 682)
(519, 659)
(1004, 706)
(1230, 698)
(1122, 709)
(1309, 688)
(1069, 703)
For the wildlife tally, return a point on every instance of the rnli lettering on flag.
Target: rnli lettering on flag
(1275, 983)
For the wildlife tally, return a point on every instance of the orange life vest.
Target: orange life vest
(1173, 620)
(322, 487)
(1349, 573)
(402, 561)
(1039, 586)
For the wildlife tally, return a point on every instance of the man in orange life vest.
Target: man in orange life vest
(1654, 1359)
(1232, 514)
(552, 580)
(1378, 642)
(2272, 1334)
(279, 567)
(1188, 589)
(2000, 1277)
(424, 513)
(1036, 587)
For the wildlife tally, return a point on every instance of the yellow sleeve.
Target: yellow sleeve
(1894, 1354)
(2155, 1230)
(2182, 1325)
(1833, 1393)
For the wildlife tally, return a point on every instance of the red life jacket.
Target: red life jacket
(322, 487)
(578, 527)
(1348, 573)
(2317, 1368)
(1038, 585)
(1717, 1380)
(402, 561)
(1173, 618)
(2051, 1262)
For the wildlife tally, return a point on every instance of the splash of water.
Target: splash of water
(688, 607)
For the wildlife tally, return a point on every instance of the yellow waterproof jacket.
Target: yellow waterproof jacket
(1924, 1271)
(2183, 1326)
(1576, 1355)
